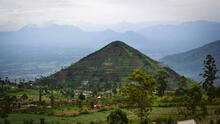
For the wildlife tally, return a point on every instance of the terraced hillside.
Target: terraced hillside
(113, 63)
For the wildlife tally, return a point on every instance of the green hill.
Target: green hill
(113, 63)
(190, 63)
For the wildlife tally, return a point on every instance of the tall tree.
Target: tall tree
(209, 75)
(162, 81)
(139, 94)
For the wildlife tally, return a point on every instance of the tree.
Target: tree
(51, 82)
(68, 92)
(92, 102)
(117, 117)
(217, 91)
(52, 98)
(24, 97)
(139, 94)
(162, 81)
(81, 96)
(6, 105)
(40, 94)
(181, 90)
(2, 85)
(42, 121)
(209, 75)
(194, 101)
(182, 82)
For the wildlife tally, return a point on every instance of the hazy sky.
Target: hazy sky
(16, 13)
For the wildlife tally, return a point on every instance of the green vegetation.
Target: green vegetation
(109, 65)
(190, 63)
(117, 117)
(209, 76)
(140, 95)
(162, 82)
(157, 113)
(145, 98)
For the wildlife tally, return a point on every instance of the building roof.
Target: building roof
(192, 121)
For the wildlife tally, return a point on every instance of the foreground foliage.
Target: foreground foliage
(140, 94)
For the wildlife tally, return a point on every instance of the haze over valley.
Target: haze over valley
(109, 62)
(34, 51)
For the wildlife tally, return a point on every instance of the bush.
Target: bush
(117, 117)
(166, 99)
(7, 121)
(84, 112)
(28, 121)
(218, 121)
(24, 97)
(91, 122)
(102, 109)
(42, 121)
(180, 92)
(163, 120)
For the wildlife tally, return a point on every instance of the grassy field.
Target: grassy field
(157, 112)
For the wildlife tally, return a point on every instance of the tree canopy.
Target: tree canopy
(139, 93)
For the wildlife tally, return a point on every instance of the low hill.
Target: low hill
(113, 63)
(190, 63)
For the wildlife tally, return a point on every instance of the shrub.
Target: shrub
(102, 109)
(42, 121)
(7, 121)
(218, 121)
(24, 97)
(91, 122)
(117, 117)
(84, 112)
(28, 121)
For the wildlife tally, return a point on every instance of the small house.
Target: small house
(192, 121)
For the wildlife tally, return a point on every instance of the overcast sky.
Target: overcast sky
(17, 13)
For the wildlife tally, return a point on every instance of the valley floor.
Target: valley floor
(157, 112)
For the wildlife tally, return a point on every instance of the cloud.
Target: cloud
(16, 13)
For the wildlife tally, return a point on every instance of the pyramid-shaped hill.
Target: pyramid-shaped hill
(113, 63)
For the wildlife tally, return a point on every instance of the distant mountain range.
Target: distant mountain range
(190, 63)
(182, 37)
(112, 63)
(33, 51)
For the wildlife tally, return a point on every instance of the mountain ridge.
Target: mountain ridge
(112, 63)
(190, 63)
(66, 43)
